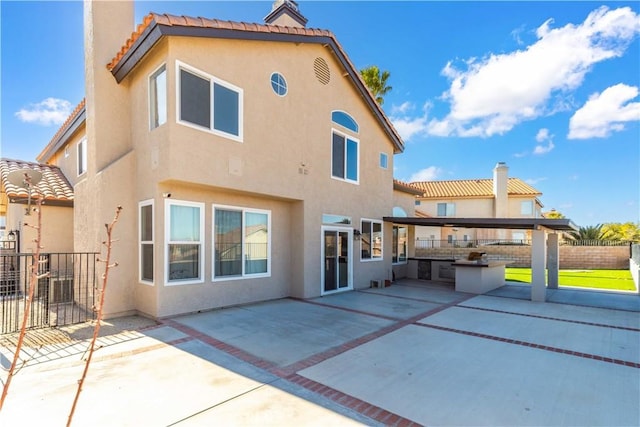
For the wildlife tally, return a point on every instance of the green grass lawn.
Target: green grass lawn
(620, 280)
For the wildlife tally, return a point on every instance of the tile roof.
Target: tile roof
(406, 187)
(154, 26)
(472, 188)
(199, 22)
(54, 185)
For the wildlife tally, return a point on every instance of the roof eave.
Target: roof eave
(76, 122)
(155, 31)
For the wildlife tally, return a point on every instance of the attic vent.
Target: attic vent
(322, 71)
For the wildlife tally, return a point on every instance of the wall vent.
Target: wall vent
(322, 70)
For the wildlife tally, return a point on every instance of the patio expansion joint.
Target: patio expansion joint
(537, 316)
(534, 345)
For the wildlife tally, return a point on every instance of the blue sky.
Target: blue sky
(550, 88)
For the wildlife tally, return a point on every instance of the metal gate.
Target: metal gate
(66, 296)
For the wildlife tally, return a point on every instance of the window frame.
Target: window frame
(529, 210)
(384, 164)
(81, 156)
(143, 204)
(449, 209)
(244, 275)
(371, 257)
(347, 138)
(395, 244)
(278, 86)
(168, 242)
(155, 119)
(213, 80)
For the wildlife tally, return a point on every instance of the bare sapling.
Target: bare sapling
(96, 330)
(33, 280)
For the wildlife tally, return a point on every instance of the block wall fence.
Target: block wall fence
(571, 257)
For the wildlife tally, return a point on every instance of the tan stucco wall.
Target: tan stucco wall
(68, 163)
(283, 165)
(56, 227)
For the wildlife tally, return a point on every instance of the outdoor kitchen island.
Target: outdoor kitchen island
(477, 277)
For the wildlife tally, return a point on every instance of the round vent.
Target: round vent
(322, 71)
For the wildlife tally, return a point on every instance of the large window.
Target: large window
(207, 102)
(446, 209)
(371, 240)
(184, 237)
(158, 98)
(399, 247)
(82, 156)
(526, 208)
(344, 157)
(145, 226)
(241, 242)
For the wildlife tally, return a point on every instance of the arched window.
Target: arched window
(399, 212)
(345, 120)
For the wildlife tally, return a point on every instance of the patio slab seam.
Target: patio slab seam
(538, 316)
(534, 345)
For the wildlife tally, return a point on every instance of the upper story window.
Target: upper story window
(344, 120)
(158, 97)
(278, 84)
(82, 156)
(446, 209)
(384, 161)
(344, 157)
(209, 103)
(526, 208)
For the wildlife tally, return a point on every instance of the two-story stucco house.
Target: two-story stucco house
(499, 197)
(250, 160)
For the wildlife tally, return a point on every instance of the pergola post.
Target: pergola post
(553, 260)
(538, 261)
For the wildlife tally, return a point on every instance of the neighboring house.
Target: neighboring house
(17, 209)
(500, 197)
(250, 160)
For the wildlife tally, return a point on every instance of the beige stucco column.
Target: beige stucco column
(553, 260)
(538, 261)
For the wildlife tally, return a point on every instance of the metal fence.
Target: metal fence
(64, 297)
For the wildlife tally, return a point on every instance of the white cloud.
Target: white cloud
(408, 126)
(428, 174)
(534, 181)
(51, 111)
(605, 113)
(543, 136)
(491, 95)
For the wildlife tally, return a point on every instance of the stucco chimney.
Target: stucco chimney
(286, 14)
(500, 195)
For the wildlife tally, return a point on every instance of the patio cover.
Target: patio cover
(539, 247)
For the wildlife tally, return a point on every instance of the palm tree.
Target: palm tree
(376, 81)
(590, 232)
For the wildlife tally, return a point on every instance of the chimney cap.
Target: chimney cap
(501, 165)
(288, 8)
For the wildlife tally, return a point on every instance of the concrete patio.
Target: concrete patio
(414, 353)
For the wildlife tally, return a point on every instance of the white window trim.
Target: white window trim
(150, 80)
(530, 206)
(447, 212)
(372, 259)
(286, 84)
(83, 143)
(243, 276)
(212, 79)
(406, 260)
(142, 204)
(386, 157)
(66, 151)
(357, 141)
(167, 242)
